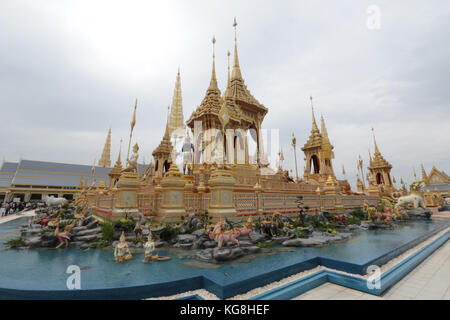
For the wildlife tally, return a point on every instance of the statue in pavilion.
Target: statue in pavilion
(188, 153)
(122, 252)
(132, 161)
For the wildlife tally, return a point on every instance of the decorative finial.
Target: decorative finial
(213, 82)
(375, 141)
(236, 73)
(314, 124)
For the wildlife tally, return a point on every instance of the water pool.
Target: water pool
(42, 273)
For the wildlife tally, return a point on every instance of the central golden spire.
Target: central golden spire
(236, 73)
(213, 82)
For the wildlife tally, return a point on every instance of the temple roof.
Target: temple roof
(165, 146)
(377, 161)
(235, 92)
(315, 139)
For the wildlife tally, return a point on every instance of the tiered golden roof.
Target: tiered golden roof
(317, 139)
(236, 96)
(238, 89)
(165, 146)
(377, 161)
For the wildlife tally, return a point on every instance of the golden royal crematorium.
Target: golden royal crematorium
(231, 186)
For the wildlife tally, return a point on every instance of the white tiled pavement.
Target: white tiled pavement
(428, 281)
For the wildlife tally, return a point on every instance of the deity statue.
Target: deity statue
(122, 252)
(132, 161)
(138, 229)
(188, 153)
(149, 247)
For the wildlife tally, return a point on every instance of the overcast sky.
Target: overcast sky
(71, 69)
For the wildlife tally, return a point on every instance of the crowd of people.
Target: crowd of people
(8, 208)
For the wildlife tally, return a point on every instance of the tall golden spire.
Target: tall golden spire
(375, 143)
(213, 82)
(229, 77)
(323, 128)
(236, 73)
(424, 174)
(176, 118)
(119, 162)
(105, 160)
(314, 124)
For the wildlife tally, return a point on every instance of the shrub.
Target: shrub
(107, 231)
(353, 220)
(299, 234)
(14, 243)
(169, 232)
(359, 213)
(98, 244)
(124, 225)
(266, 244)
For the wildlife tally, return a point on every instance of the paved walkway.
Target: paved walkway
(428, 281)
(16, 216)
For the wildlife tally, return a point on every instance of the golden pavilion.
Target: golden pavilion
(223, 178)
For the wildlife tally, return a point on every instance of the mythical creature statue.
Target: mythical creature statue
(245, 230)
(415, 197)
(122, 252)
(51, 201)
(222, 236)
(132, 161)
(270, 226)
(371, 211)
(63, 237)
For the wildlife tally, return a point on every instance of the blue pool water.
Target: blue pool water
(101, 277)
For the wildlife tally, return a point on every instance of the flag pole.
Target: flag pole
(133, 122)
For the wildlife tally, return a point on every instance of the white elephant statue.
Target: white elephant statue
(54, 202)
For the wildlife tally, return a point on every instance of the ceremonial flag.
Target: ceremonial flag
(133, 121)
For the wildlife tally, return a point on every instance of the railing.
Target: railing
(282, 203)
(246, 203)
(196, 203)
